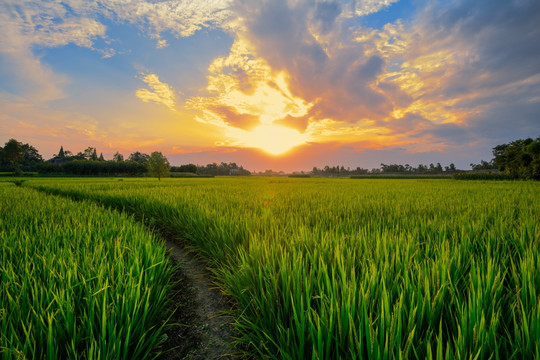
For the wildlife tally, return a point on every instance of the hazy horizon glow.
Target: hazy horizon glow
(278, 84)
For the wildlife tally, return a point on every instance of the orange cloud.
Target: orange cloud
(231, 117)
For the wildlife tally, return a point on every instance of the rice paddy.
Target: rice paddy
(77, 280)
(316, 268)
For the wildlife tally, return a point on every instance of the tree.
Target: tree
(139, 157)
(90, 153)
(13, 153)
(31, 155)
(94, 155)
(158, 165)
(101, 158)
(519, 158)
(118, 157)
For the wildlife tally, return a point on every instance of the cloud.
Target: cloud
(30, 24)
(180, 17)
(160, 92)
(473, 64)
(439, 81)
(229, 114)
(26, 25)
(365, 7)
(292, 65)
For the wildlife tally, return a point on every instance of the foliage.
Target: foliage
(481, 176)
(337, 171)
(519, 158)
(223, 169)
(158, 165)
(187, 168)
(484, 165)
(384, 169)
(91, 167)
(326, 269)
(90, 153)
(77, 281)
(16, 156)
(118, 157)
(139, 157)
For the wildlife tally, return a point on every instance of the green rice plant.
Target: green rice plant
(340, 268)
(77, 281)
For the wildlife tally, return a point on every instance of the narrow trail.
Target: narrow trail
(200, 329)
(211, 331)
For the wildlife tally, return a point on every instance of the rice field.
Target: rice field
(343, 268)
(77, 280)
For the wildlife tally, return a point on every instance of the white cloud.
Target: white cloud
(365, 7)
(27, 24)
(182, 18)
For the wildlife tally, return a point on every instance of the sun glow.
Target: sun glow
(273, 139)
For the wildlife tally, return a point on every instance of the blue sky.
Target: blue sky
(282, 84)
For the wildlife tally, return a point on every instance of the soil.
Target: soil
(201, 328)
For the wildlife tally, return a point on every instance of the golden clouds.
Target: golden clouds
(247, 99)
(160, 92)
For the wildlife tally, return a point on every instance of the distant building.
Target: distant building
(58, 161)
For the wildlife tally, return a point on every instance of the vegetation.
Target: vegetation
(327, 269)
(481, 176)
(520, 158)
(77, 281)
(16, 156)
(158, 165)
(395, 169)
(299, 176)
(484, 165)
(188, 168)
(222, 169)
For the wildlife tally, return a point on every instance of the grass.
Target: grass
(337, 268)
(77, 281)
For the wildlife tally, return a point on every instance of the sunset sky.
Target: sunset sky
(272, 84)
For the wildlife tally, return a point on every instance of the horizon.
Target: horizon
(281, 85)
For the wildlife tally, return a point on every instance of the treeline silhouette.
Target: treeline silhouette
(385, 169)
(519, 159)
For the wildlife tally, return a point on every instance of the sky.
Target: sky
(272, 84)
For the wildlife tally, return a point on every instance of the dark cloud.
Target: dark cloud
(326, 14)
(494, 75)
(341, 79)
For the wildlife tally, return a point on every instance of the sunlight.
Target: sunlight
(273, 139)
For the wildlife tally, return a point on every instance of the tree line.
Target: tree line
(519, 159)
(385, 169)
(17, 157)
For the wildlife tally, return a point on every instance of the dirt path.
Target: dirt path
(209, 332)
